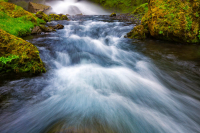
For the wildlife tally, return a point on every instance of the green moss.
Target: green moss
(173, 20)
(15, 20)
(57, 17)
(43, 16)
(113, 14)
(123, 6)
(17, 55)
(5, 60)
(139, 32)
(142, 9)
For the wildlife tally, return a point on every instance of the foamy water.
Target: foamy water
(97, 80)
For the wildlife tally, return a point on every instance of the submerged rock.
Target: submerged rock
(18, 55)
(173, 20)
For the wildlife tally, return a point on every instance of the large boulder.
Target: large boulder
(174, 20)
(34, 7)
(18, 55)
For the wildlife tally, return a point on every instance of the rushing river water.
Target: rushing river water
(99, 81)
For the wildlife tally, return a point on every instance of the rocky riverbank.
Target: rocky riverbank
(17, 55)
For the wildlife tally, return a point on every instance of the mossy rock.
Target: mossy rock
(47, 29)
(42, 16)
(142, 9)
(54, 17)
(113, 14)
(174, 20)
(139, 32)
(17, 55)
(64, 17)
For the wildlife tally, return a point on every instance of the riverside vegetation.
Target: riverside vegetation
(16, 54)
(173, 20)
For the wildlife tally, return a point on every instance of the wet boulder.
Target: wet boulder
(36, 30)
(46, 28)
(59, 26)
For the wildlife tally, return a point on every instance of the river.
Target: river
(99, 81)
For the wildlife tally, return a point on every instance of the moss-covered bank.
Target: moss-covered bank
(17, 55)
(174, 20)
(16, 21)
(123, 6)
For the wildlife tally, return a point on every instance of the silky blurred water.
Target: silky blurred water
(99, 81)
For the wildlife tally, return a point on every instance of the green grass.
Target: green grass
(4, 0)
(17, 26)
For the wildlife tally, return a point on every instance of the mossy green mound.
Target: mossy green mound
(17, 55)
(42, 16)
(113, 14)
(139, 32)
(142, 9)
(124, 6)
(57, 17)
(174, 20)
(15, 20)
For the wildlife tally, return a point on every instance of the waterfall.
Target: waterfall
(74, 7)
